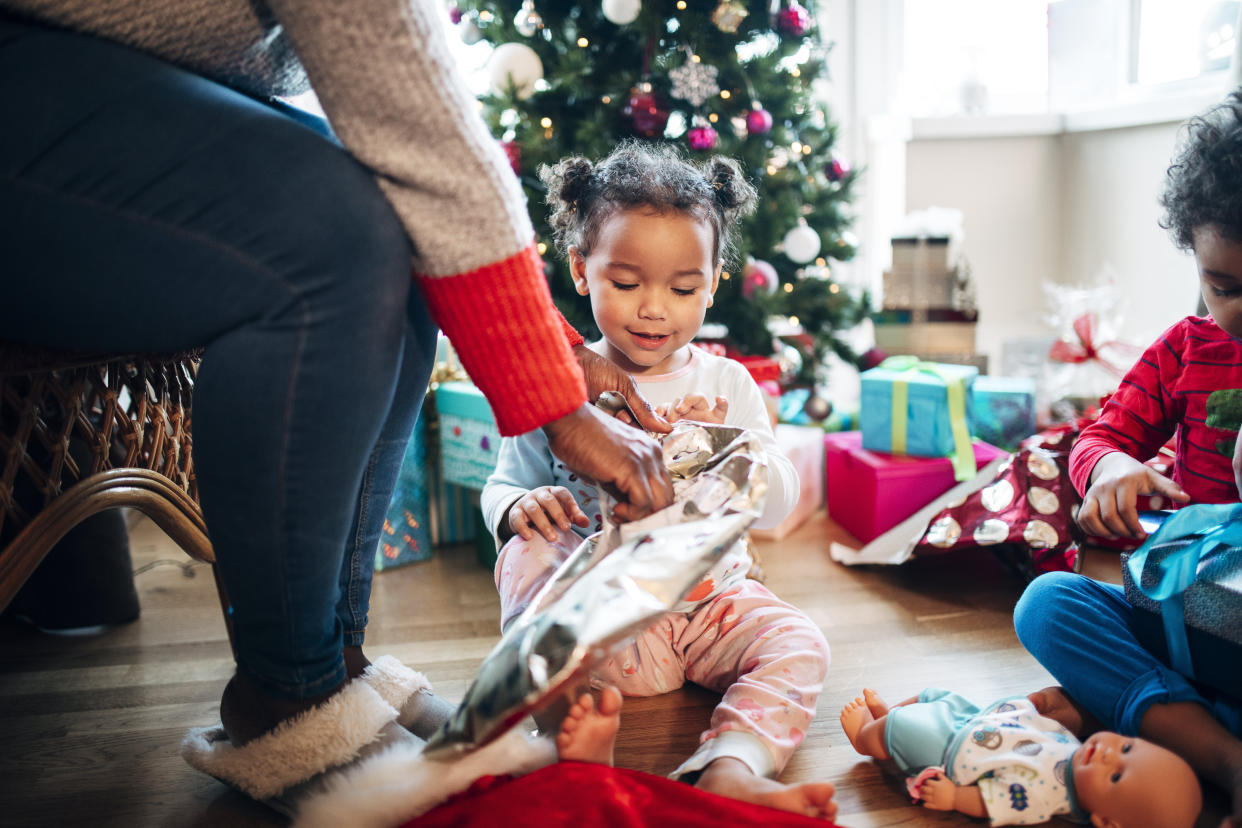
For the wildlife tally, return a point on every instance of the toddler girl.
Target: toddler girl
(645, 233)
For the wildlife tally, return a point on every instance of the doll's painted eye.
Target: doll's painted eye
(1116, 777)
(1126, 748)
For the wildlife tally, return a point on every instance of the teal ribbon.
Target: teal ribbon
(1197, 531)
(963, 457)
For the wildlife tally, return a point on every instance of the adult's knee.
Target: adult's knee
(1046, 600)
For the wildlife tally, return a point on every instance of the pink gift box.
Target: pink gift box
(805, 449)
(870, 492)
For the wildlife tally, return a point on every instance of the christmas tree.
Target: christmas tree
(714, 76)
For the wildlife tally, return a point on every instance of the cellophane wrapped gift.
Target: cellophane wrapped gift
(616, 584)
(1086, 362)
(1185, 584)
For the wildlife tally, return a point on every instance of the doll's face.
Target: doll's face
(1220, 277)
(1125, 782)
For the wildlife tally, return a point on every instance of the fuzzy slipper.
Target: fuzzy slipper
(419, 710)
(283, 766)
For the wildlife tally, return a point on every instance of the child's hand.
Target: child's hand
(1108, 508)
(695, 407)
(542, 510)
(938, 793)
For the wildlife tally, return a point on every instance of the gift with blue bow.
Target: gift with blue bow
(919, 408)
(1185, 584)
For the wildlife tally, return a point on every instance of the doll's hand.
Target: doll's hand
(938, 793)
(542, 510)
(697, 407)
(1108, 508)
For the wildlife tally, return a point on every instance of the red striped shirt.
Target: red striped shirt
(1188, 383)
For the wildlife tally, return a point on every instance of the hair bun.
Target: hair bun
(574, 178)
(733, 191)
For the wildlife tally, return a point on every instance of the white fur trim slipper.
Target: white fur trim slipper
(418, 709)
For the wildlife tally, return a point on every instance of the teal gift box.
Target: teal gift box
(1003, 410)
(919, 408)
(1185, 584)
(469, 439)
(406, 537)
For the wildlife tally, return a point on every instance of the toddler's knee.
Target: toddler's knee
(1043, 602)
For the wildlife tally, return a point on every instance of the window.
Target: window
(1182, 39)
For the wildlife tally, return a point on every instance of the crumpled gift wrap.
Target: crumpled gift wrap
(616, 584)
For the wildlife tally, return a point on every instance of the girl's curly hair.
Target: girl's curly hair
(582, 195)
(1203, 186)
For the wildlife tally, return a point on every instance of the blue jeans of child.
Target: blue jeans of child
(145, 208)
(1080, 630)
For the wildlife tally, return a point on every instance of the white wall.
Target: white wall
(1009, 192)
(1059, 208)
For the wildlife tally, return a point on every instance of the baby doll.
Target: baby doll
(1008, 763)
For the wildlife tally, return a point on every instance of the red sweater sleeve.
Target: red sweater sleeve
(511, 340)
(1141, 416)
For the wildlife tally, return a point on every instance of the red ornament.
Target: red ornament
(513, 151)
(793, 20)
(454, 15)
(836, 169)
(758, 121)
(702, 138)
(872, 358)
(647, 113)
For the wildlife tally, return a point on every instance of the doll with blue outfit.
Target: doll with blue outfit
(1014, 766)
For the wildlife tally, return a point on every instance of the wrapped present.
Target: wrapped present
(469, 439)
(761, 368)
(805, 449)
(871, 492)
(1003, 410)
(919, 408)
(406, 537)
(1185, 584)
(1025, 514)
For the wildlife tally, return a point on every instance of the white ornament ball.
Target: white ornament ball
(801, 244)
(621, 11)
(470, 32)
(516, 65)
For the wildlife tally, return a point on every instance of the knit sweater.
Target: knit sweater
(1189, 382)
(391, 90)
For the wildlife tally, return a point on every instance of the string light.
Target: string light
(796, 72)
(771, 170)
(606, 99)
(681, 5)
(485, 16)
(713, 117)
(583, 42)
(806, 149)
(796, 146)
(542, 248)
(725, 94)
(821, 261)
(545, 122)
(694, 58)
(793, 320)
(789, 287)
(834, 288)
(725, 275)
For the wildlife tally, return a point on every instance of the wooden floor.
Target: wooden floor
(93, 723)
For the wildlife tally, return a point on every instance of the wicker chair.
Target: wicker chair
(81, 433)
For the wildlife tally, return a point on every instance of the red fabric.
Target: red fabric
(511, 340)
(571, 333)
(1187, 384)
(587, 795)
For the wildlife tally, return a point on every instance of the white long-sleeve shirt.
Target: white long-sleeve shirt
(526, 463)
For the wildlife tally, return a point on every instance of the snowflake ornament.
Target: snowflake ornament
(694, 82)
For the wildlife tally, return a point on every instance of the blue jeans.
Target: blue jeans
(146, 208)
(1080, 631)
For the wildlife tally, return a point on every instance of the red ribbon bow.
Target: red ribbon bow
(1086, 348)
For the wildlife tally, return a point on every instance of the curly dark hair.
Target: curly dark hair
(582, 194)
(1203, 186)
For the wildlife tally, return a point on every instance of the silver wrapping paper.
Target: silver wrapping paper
(615, 584)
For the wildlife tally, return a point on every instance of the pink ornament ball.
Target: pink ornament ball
(454, 15)
(758, 121)
(702, 138)
(872, 358)
(793, 20)
(770, 387)
(759, 276)
(836, 169)
(513, 151)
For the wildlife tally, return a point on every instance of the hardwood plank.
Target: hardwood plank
(94, 723)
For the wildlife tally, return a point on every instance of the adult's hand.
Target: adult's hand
(603, 374)
(624, 460)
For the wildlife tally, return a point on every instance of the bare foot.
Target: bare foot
(854, 715)
(874, 703)
(733, 778)
(588, 732)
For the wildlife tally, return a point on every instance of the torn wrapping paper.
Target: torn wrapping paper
(616, 584)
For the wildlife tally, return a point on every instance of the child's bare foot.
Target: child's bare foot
(874, 703)
(589, 731)
(733, 778)
(854, 715)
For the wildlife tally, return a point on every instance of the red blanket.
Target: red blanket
(586, 795)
